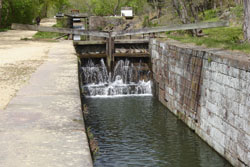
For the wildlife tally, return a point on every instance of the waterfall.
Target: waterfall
(127, 79)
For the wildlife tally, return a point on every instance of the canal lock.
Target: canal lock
(127, 90)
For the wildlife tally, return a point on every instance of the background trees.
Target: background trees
(1, 6)
(24, 11)
(17, 11)
(188, 11)
(113, 7)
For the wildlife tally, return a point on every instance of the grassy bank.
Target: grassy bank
(230, 38)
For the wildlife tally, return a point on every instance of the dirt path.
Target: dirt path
(19, 59)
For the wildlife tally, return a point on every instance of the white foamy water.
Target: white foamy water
(125, 81)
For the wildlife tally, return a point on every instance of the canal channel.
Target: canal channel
(140, 131)
(131, 127)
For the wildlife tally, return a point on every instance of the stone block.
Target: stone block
(177, 97)
(161, 94)
(162, 83)
(214, 66)
(231, 94)
(213, 96)
(205, 126)
(172, 47)
(248, 101)
(212, 107)
(246, 127)
(244, 85)
(243, 112)
(207, 74)
(234, 82)
(220, 149)
(248, 157)
(239, 123)
(230, 145)
(219, 88)
(219, 78)
(243, 75)
(222, 68)
(179, 71)
(242, 154)
(231, 132)
(234, 72)
(189, 51)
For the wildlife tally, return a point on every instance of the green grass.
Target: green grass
(48, 35)
(227, 38)
(238, 11)
(210, 15)
(4, 29)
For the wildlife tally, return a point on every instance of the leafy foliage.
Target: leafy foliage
(24, 11)
(111, 7)
(17, 11)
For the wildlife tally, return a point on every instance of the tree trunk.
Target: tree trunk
(238, 2)
(1, 7)
(177, 7)
(246, 26)
(221, 4)
(215, 4)
(116, 7)
(184, 13)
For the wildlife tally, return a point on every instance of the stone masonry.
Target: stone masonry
(209, 89)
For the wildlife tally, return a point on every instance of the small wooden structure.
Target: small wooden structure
(127, 12)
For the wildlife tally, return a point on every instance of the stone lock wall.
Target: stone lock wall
(209, 90)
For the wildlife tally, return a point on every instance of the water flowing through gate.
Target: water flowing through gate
(126, 79)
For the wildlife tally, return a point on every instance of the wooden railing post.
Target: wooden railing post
(110, 50)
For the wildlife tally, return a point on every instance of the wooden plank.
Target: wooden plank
(102, 42)
(79, 15)
(88, 56)
(132, 41)
(131, 55)
(171, 28)
(58, 30)
(99, 42)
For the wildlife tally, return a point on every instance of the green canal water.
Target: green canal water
(141, 132)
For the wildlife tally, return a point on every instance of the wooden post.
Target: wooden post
(110, 46)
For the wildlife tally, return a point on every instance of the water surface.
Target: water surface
(141, 132)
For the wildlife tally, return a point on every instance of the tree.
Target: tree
(246, 26)
(44, 7)
(1, 7)
(157, 5)
(105, 7)
(113, 7)
(61, 5)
